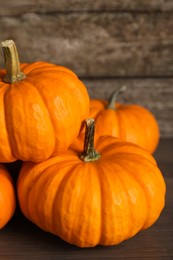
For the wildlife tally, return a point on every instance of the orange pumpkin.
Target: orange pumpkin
(7, 197)
(39, 103)
(132, 123)
(93, 198)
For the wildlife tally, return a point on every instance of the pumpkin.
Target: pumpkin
(99, 196)
(39, 103)
(7, 197)
(130, 122)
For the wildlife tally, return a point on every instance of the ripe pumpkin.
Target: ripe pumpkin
(89, 198)
(130, 122)
(7, 197)
(39, 103)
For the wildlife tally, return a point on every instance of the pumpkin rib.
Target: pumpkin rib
(42, 97)
(59, 197)
(95, 234)
(18, 141)
(124, 237)
(140, 184)
(26, 172)
(125, 174)
(27, 192)
(147, 196)
(53, 174)
(109, 178)
(102, 226)
(101, 204)
(32, 211)
(42, 183)
(53, 225)
(143, 184)
(95, 215)
(129, 234)
(78, 222)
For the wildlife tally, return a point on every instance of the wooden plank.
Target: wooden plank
(19, 7)
(163, 155)
(154, 94)
(96, 45)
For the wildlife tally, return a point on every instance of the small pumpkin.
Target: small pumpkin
(39, 103)
(130, 122)
(7, 197)
(101, 196)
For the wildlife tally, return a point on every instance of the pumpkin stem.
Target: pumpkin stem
(113, 97)
(12, 64)
(89, 153)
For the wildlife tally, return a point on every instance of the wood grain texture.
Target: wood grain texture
(19, 7)
(101, 41)
(21, 239)
(96, 45)
(154, 94)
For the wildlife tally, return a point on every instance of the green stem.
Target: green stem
(12, 64)
(89, 153)
(113, 98)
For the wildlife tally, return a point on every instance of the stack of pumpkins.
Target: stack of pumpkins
(86, 190)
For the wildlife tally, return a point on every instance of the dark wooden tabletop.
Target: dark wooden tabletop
(21, 239)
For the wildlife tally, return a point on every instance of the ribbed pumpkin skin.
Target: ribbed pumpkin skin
(37, 112)
(103, 202)
(7, 197)
(132, 123)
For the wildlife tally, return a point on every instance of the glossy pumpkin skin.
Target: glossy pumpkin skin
(7, 197)
(89, 203)
(132, 123)
(37, 112)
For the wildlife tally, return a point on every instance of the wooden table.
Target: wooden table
(21, 239)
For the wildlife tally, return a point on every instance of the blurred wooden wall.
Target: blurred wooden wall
(107, 43)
